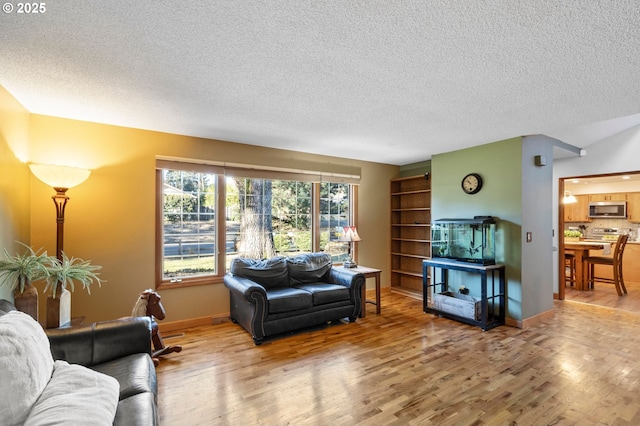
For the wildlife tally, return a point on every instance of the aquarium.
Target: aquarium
(466, 240)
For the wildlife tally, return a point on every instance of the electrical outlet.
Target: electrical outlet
(529, 237)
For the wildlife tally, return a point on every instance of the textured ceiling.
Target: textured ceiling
(386, 81)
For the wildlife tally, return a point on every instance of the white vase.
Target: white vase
(59, 309)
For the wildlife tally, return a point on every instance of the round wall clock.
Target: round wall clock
(472, 183)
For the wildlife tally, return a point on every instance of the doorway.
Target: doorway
(585, 186)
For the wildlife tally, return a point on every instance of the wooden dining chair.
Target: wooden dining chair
(570, 268)
(614, 261)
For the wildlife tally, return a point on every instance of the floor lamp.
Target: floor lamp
(61, 178)
(349, 235)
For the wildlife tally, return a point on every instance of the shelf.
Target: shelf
(420, 191)
(411, 240)
(410, 273)
(407, 292)
(492, 304)
(410, 231)
(412, 209)
(416, 256)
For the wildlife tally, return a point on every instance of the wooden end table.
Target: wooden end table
(369, 273)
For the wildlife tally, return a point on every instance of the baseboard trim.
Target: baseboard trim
(528, 322)
(512, 322)
(167, 327)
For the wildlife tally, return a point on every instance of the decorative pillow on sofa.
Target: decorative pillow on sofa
(26, 365)
(76, 395)
(269, 273)
(308, 268)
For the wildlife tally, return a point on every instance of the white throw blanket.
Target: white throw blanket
(26, 365)
(76, 396)
(36, 391)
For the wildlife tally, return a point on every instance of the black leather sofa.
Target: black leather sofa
(278, 295)
(119, 348)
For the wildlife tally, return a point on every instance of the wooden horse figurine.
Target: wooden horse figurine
(148, 304)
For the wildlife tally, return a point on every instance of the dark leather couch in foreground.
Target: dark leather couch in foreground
(281, 294)
(119, 349)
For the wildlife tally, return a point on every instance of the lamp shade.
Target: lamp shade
(569, 198)
(59, 176)
(349, 233)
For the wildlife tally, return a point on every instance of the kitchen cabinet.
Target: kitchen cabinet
(578, 211)
(633, 207)
(630, 264)
(617, 196)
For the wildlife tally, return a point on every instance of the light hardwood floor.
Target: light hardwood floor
(406, 367)
(605, 294)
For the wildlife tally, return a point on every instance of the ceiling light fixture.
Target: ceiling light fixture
(569, 198)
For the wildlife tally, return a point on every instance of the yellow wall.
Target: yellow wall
(14, 176)
(110, 217)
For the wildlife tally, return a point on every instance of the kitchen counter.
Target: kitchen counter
(595, 240)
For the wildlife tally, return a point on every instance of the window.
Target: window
(188, 224)
(335, 214)
(275, 217)
(263, 217)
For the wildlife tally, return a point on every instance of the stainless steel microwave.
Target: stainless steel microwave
(608, 209)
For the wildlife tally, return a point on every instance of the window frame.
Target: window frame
(221, 173)
(164, 283)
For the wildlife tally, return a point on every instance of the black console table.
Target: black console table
(492, 305)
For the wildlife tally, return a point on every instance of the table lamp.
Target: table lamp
(349, 235)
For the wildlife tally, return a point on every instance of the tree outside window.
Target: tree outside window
(270, 217)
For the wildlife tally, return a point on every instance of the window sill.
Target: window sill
(189, 282)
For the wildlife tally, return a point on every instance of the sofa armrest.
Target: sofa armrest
(351, 279)
(102, 341)
(247, 304)
(345, 276)
(244, 287)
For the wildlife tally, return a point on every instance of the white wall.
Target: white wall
(618, 154)
(537, 262)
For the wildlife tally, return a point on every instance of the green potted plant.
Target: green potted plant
(19, 271)
(60, 274)
(64, 272)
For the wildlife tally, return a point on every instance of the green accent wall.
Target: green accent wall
(499, 164)
(415, 169)
(518, 193)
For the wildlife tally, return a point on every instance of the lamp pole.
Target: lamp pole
(60, 178)
(60, 200)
